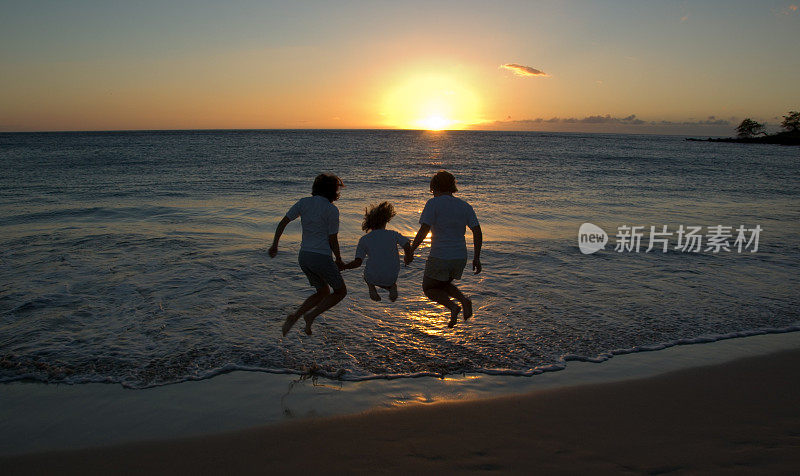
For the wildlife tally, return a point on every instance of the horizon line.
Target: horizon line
(75, 131)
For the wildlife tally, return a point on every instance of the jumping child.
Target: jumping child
(380, 245)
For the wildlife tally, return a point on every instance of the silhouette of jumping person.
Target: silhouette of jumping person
(319, 219)
(379, 246)
(447, 218)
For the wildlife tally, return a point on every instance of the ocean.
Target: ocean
(139, 258)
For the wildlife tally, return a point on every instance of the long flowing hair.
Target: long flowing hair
(377, 216)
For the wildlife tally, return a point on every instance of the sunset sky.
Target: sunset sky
(611, 66)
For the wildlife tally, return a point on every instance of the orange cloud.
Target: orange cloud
(521, 70)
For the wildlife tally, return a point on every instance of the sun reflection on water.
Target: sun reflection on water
(430, 321)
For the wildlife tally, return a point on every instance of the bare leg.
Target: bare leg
(312, 301)
(453, 291)
(435, 291)
(393, 292)
(328, 302)
(309, 303)
(373, 293)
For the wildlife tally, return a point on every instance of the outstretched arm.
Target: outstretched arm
(353, 264)
(477, 241)
(273, 250)
(333, 240)
(409, 249)
(421, 234)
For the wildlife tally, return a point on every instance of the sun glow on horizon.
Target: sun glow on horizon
(435, 123)
(431, 102)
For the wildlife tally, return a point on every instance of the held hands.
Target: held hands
(351, 265)
(408, 253)
(340, 264)
(476, 265)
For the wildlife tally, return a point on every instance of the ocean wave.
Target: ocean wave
(60, 373)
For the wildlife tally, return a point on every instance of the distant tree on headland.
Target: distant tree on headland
(749, 128)
(791, 121)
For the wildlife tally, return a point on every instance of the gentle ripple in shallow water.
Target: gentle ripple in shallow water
(140, 258)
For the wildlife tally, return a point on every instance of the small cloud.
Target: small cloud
(684, 12)
(791, 9)
(521, 70)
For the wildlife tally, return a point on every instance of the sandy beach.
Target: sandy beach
(739, 417)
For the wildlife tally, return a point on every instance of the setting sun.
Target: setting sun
(435, 123)
(431, 102)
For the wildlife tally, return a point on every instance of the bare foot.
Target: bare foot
(393, 293)
(454, 316)
(308, 324)
(373, 294)
(288, 323)
(467, 309)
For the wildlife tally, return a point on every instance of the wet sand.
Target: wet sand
(741, 416)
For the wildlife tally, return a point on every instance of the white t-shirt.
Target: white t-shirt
(383, 264)
(448, 218)
(319, 218)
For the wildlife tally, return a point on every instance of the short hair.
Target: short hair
(444, 181)
(327, 185)
(377, 216)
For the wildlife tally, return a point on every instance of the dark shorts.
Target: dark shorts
(444, 269)
(320, 269)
